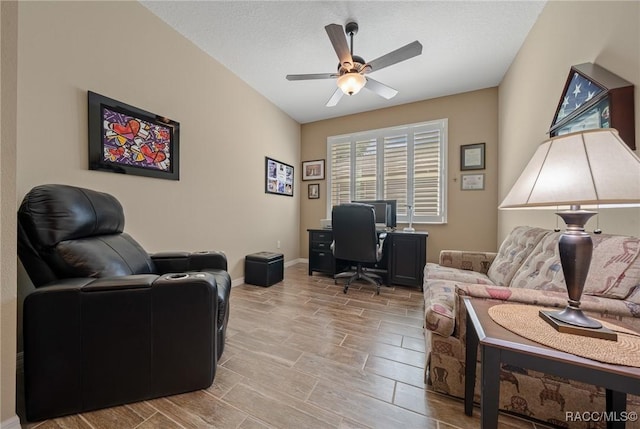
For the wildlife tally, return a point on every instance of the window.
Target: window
(405, 163)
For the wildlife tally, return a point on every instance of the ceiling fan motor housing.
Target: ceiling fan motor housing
(358, 66)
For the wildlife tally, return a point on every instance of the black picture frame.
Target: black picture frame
(279, 177)
(127, 140)
(313, 192)
(472, 156)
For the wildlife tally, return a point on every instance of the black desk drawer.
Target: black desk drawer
(321, 246)
(323, 236)
(321, 261)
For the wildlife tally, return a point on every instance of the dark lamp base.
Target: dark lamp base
(566, 328)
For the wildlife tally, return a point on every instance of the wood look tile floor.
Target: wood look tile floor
(301, 354)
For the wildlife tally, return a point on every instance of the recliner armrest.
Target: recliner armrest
(171, 262)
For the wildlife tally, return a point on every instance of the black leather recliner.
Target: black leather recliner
(109, 323)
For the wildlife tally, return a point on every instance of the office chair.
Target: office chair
(355, 239)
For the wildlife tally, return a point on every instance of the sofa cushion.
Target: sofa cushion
(610, 274)
(542, 269)
(615, 269)
(513, 252)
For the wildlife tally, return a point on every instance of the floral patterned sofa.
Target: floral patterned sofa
(527, 269)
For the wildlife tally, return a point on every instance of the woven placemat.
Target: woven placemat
(525, 321)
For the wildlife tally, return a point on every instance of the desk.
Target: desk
(501, 346)
(404, 256)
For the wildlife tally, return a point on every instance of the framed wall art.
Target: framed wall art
(472, 156)
(472, 182)
(278, 177)
(128, 140)
(314, 191)
(313, 170)
(594, 97)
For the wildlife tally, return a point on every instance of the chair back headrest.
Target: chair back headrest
(354, 232)
(50, 214)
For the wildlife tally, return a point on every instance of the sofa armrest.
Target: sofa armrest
(466, 260)
(175, 262)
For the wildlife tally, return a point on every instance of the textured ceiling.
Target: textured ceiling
(467, 45)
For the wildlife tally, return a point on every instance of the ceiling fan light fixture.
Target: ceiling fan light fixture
(351, 83)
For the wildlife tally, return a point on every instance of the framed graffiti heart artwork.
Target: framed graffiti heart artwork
(127, 140)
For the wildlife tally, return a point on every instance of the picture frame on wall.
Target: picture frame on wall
(472, 156)
(314, 191)
(127, 140)
(279, 178)
(472, 182)
(313, 170)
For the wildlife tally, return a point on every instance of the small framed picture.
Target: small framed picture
(313, 170)
(472, 182)
(314, 191)
(472, 156)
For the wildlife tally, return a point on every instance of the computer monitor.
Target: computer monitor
(385, 209)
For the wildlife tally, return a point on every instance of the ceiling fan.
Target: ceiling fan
(352, 68)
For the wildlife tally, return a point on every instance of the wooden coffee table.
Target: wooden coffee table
(501, 346)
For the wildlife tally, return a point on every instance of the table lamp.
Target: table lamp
(593, 167)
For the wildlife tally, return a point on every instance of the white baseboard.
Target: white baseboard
(294, 261)
(11, 423)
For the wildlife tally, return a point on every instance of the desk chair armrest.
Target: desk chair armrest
(381, 238)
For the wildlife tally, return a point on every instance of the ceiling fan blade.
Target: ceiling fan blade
(339, 41)
(411, 50)
(380, 88)
(311, 76)
(337, 95)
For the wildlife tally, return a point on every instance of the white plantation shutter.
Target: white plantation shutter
(340, 162)
(427, 176)
(406, 164)
(395, 179)
(365, 169)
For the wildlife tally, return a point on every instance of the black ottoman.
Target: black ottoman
(263, 268)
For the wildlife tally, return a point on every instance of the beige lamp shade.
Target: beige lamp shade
(583, 168)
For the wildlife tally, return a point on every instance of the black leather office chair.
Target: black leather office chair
(109, 323)
(355, 240)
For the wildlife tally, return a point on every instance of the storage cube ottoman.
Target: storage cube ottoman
(263, 268)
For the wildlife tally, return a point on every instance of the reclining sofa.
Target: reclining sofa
(527, 270)
(108, 323)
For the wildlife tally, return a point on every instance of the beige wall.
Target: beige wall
(8, 79)
(566, 33)
(472, 118)
(123, 51)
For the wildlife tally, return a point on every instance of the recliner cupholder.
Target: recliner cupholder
(177, 276)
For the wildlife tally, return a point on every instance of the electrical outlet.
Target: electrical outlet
(278, 244)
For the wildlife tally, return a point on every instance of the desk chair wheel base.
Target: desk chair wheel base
(358, 274)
